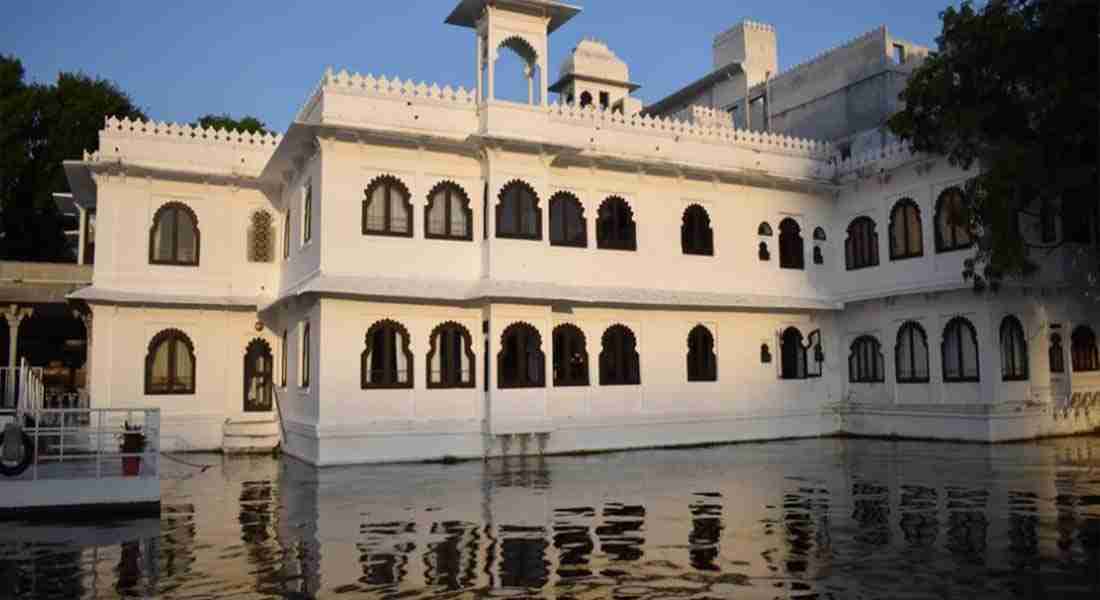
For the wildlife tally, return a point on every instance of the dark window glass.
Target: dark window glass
(906, 238)
(386, 208)
(307, 214)
(451, 357)
(174, 237)
(518, 214)
(819, 234)
(568, 227)
(792, 354)
(447, 215)
(520, 363)
(861, 246)
(1056, 354)
(570, 356)
(696, 235)
(386, 361)
(762, 252)
(1083, 349)
(1013, 350)
(286, 234)
(911, 354)
(952, 232)
(615, 229)
(619, 364)
(306, 358)
(284, 350)
(790, 245)
(960, 351)
(258, 367)
(815, 355)
(865, 361)
(764, 229)
(702, 364)
(170, 364)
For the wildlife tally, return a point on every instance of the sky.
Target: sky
(179, 60)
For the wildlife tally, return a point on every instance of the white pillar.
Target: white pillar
(480, 94)
(528, 72)
(14, 315)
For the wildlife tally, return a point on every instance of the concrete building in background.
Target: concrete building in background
(416, 271)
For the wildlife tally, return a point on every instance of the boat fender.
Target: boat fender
(13, 443)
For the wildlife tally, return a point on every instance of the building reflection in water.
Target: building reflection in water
(820, 518)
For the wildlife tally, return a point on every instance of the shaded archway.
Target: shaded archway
(516, 55)
(56, 340)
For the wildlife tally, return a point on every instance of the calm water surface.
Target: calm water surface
(806, 519)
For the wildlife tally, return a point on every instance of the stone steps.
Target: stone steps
(253, 435)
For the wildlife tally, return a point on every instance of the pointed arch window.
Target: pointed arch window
(307, 360)
(1083, 349)
(951, 232)
(619, 364)
(1013, 350)
(521, 362)
(386, 208)
(696, 235)
(570, 356)
(861, 247)
(451, 357)
(906, 237)
(386, 362)
(286, 234)
(790, 245)
(764, 229)
(568, 227)
(518, 214)
(284, 350)
(1056, 354)
(911, 354)
(170, 364)
(307, 213)
(792, 354)
(819, 234)
(960, 351)
(615, 228)
(174, 236)
(257, 376)
(448, 215)
(815, 354)
(702, 364)
(865, 361)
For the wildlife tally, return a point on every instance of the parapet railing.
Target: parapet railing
(86, 443)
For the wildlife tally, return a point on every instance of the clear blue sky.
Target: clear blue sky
(179, 60)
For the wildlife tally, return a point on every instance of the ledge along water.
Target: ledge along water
(824, 518)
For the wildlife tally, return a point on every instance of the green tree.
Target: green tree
(1013, 90)
(224, 121)
(41, 126)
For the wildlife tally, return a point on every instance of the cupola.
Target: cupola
(593, 74)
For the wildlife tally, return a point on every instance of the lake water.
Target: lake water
(823, 518)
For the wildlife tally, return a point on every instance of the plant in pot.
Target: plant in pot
(133, 442)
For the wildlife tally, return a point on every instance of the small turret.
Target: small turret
(593, 74)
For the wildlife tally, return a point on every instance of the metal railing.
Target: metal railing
(21, 387)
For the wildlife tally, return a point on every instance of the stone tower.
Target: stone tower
(750, 43)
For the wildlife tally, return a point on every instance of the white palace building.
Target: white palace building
(420, 271)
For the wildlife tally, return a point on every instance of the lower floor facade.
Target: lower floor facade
(346, 380)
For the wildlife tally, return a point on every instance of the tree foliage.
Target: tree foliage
(224, 121)
(42, 125)
(1013, 90)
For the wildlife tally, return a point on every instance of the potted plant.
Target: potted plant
(133, 442)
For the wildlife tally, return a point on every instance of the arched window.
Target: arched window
(448, 215)
(260, 237)
(819, 259)
(1056, 354)
(696, 236)
(257, 376)
(1083, 349)
(702, 365)
(865, 361)
(284, 350)
(586, 99)
(951, 232)
(819, 234)
(174, 237)
(568, 226)
(386, 208)
(815, 354)
(1013, 350)
(960, 351)
(762, 252)
(386, 361)
(861, 247)
(570, 356)
(521, 363)
(451, 357)
(790, 245)
(911, 354)
(286, 234)
(906, 239)
(792, 354)
(307, 360)
(615, 229)
(307, 213)
(170, 364)
(764, 229)
(619, 357)
(518, 214)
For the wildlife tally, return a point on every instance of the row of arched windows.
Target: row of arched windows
(791, 246)
(959, 353)
(906, 237)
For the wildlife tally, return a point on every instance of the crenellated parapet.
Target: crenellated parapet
(878, 160)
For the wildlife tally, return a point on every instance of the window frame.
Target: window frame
(792, 248)
(563, 374)
(1056, 353)
(390, 184)
(558, 202)
(862, 347)
(525, 334)
(173, 209)
(1084, 358)
(1013, 368)
(961, 325)
(620, 217)
(174, 338)
(913, 328)
(284, 351)
(394, 330)
(903, 206)
(787, 340)
(940, 222)
(258, 347)
(448, 188)
(861, 245)
(696, 231)
(286, 233)
(624, 356)
(516, 186)
(305, 354)
(702, 360)
(447, 363)
(307, 213)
